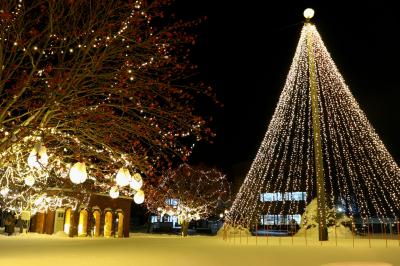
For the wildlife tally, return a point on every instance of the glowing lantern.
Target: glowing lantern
(114, 192)
(123, 177)
(38, 156)
(43, 157)
(29, 181)
(78, 174)
(32, 159)
(4, 191)
(139, 197)
(136, 182)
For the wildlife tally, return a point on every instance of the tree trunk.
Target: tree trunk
(184, 228)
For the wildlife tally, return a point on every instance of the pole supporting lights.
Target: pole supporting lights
(308, 13)
(319, 166)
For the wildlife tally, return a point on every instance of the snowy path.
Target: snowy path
(140, 249)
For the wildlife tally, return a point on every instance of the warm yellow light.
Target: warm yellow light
(82, 225)
(67, 221)
(78, 174)
(66, 228)
(123, 177)
(308, 13)
(108, 224)
(80, 229)
(114, 192)
(139, 197)
(136, 182)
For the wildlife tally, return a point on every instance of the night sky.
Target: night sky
(244, 51)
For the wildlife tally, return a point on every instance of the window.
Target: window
(172, 202)
(153, 219)
(278, 196)
(277, 219)
(298, 196)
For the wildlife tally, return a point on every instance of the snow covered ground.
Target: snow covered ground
(144, 249)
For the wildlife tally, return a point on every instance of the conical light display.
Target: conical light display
(323, 133)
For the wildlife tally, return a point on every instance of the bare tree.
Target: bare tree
(103, 82)
(191, 193)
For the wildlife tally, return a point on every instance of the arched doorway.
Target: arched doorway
(96, 226)
(120, 224)
(108, 223)
(67, 221)
(83, 223)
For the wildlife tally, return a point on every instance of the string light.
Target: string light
(109, 77)
(359, 172)
(190, 193)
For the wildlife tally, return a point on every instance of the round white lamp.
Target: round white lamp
(78, 174)
(123, 177)
(136, 182)
(308, 13)
(139, 197)
(4, 191)
(32, 159)
(43, 157)
(114, 192)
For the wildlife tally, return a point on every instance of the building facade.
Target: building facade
(103, 216)
(292, 203)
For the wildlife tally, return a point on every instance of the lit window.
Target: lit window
(287, 196)
(153, 219)
(172, 202)
(277, 219)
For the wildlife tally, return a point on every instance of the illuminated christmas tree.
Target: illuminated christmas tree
(318, 144)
